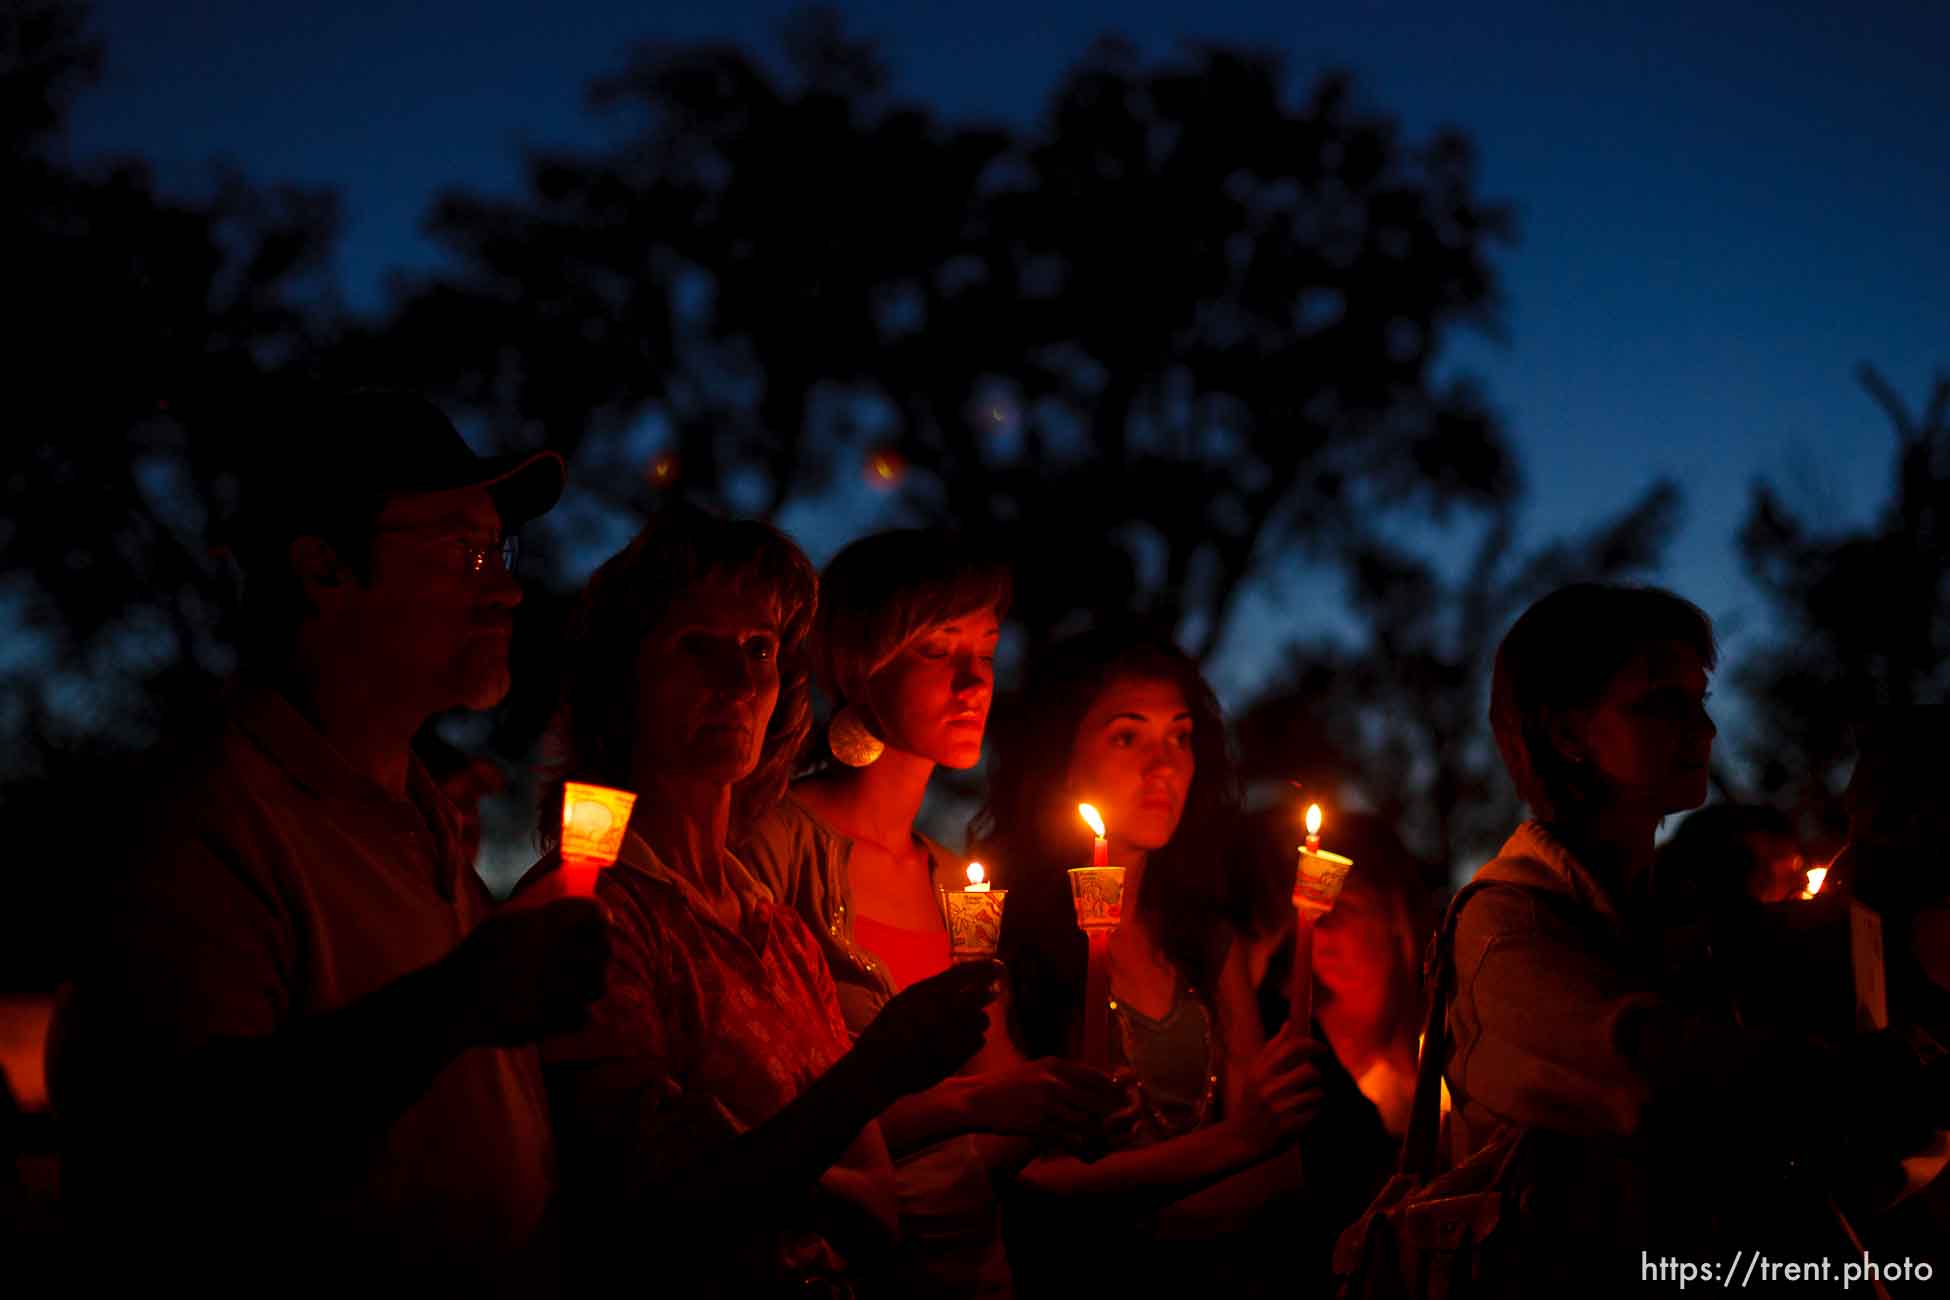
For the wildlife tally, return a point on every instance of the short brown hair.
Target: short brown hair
(594, 734)
(882, 591)
(1559, 656)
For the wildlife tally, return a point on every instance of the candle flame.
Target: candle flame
(1817, 876)
(1091, 816)
(1313, 819)
(975, 873)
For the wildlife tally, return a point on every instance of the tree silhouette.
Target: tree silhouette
(1401, 723)
(1864, 616)
(1177, 330)
(131, 310)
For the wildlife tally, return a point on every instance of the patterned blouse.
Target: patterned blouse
(706, 1030)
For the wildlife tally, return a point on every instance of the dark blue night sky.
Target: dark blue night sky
(1723, 207)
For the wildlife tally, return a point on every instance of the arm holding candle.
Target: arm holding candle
(1271, 1091)
(1280, 1096)
(638, 1134)
(199, 1013)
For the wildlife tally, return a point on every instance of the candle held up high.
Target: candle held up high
(1097, 892)
(1317, 882)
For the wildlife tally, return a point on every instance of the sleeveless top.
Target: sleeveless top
(1175, 1059)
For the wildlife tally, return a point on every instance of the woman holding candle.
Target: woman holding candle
(1367, 954)
(1579, 1016)
(717, 1100)
(904, 644)
(1126, 723)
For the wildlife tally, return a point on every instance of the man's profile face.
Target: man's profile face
(436, 616)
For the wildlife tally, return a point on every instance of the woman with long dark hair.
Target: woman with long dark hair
(1125, 722)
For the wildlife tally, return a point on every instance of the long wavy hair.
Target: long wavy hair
(1195, 896)
(593, 737)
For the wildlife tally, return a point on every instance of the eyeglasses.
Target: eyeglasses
(474, 557)
(470, 556)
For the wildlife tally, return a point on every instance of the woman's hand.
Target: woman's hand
(929, 1029)
(1051, 1098)
(1283, 1092)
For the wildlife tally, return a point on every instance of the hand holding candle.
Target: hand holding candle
(1098, 889)
(974, 917)
(1316, 885)
(1097, 892)
(593, 820)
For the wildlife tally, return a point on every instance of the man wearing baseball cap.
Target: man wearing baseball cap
(299, 1050)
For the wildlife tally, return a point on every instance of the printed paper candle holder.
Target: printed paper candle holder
(1098, 893)
(593, 820)
(1317, 883)
(974, 922)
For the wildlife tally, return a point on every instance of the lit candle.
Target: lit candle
(974, 916)
(1317, 882)
(1098, 893)
(593, 821)
(1099, 855)
(1816, 877)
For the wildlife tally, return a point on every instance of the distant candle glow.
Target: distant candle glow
(885, 467)
(663, 470)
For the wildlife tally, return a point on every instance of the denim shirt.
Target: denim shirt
(802, 863)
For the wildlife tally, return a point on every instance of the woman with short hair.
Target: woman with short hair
(717, 1103)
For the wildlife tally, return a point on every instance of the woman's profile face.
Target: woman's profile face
(932, 699)
(1648, 735)
(1132, 758)
(707, 681)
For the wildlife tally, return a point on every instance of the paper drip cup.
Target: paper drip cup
(974, 922)
(1098, 893)
(593, 820)
(1317, 883)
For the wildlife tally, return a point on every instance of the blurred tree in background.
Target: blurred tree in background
(129, 309)
(1864, 617)
(1400, 721)
(1178, 330)
(1182, 332)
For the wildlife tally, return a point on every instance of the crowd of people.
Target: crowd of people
(306, 1049)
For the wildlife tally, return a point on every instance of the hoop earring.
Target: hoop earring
(852, 744)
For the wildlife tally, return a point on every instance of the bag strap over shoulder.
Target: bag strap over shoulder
(1438, 976)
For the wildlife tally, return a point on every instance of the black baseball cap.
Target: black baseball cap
(307, 464)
